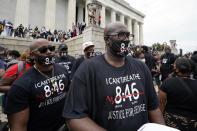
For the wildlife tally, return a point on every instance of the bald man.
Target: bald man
(112, 91)
(36, 100)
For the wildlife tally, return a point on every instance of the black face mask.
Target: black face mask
(30, 61)
(45, 60)
(90, 54)
(63, 55)
(120, 48)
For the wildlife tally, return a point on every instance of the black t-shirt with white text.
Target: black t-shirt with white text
(66, 62)
(32, 90)
(117, 99)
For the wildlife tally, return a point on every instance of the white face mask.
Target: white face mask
(143, 60)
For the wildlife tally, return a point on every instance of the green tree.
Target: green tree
(158, 46)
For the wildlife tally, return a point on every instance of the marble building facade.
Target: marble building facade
(62, 14)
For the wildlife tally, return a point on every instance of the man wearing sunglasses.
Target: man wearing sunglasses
(113, 91)
(65, 59)
(35, 101)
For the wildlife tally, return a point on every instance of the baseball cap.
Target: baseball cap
(62, 46)
(87, 44)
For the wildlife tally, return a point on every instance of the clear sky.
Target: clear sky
(169, 20)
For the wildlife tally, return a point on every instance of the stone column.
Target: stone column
(71, 13)
(136, 33)
(86, 13)
(113, 16)
(22, 13)
(141, 39)
(103, 17)
(50, 13)
(130, 25)
(122, 18)
(80, 13)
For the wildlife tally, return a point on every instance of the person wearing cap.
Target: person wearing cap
(65, 59)
(88, 48)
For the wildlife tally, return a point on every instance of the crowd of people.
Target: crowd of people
(98, 92)
(8, 29)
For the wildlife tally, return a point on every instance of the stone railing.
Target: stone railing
(91, 33)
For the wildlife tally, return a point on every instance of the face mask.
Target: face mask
(45, 60)
(30, 61)
(10, 58)
(90, 54)
(120, 48)
(63, 55)
(143, 60)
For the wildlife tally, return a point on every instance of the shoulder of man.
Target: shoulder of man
(71, 57)
(60, 67)
(25, 79)
(95, 59)
(134, 60)
(90, 63)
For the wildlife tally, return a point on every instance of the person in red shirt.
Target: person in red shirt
(14, 72)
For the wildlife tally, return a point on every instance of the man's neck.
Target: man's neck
(183, 75)
(43, 68)
(85, 57)
(114, 60)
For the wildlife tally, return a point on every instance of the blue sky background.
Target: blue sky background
(169, 20)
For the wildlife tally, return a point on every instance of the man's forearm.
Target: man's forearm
(5, 89)
(83, 124)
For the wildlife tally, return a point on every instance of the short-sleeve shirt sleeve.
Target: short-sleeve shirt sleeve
(17, 99)
(164, 86)
(76, 104)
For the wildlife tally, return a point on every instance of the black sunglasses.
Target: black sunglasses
(44, 49)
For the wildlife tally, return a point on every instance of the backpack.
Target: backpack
(21, 64)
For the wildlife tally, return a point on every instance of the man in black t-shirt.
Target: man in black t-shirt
(36, 100)
(150, 60)
(112, 91)
(167, 60)
(64, 59)
(88, 48)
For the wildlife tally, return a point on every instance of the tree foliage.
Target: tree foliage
(157, 46)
